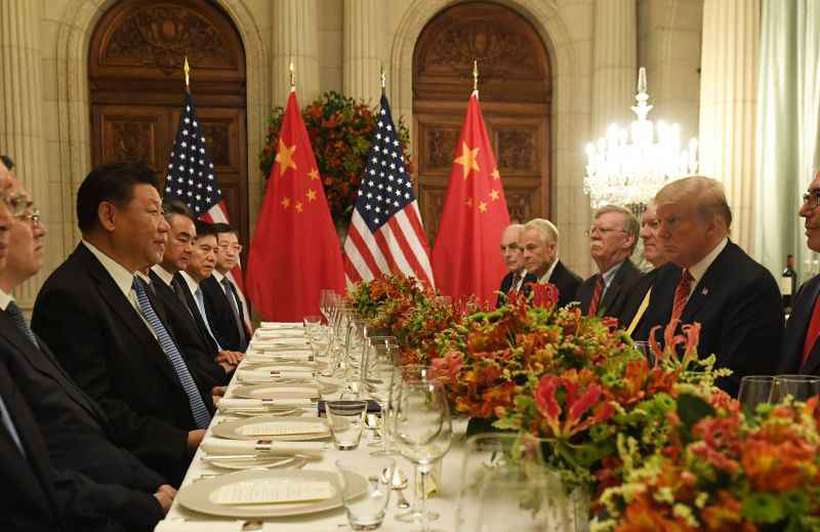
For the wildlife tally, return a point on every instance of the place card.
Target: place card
(272, 428)
(219, 446)
(281, 325)
(273, 491)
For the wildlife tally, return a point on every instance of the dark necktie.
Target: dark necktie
(19, 320)
(811, 333)
(198, 408)
(179, 289)
(681, 294)
(596, 296)
(231, 295)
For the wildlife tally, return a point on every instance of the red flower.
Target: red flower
(447, 367)
(582, 405)
(544, 295)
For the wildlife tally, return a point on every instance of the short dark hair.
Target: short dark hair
(220, 228)
(113, 182)
(204, 229)
(174, 206)
(7, 162)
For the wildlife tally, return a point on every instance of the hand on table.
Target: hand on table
(165, 496)
(195, 438)
(231, 357)
(218, 391)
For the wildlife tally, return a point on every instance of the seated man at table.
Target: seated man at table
(223, 302)
(539, 242)
(801, 350)
(213, 366)
(641, 295)
(612, 239)
(516, 275)
(711, 281)
(105, 330)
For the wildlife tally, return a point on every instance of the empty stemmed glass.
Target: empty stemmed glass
(422, 431)
(378, 380)
(799, 387)
(754, 390)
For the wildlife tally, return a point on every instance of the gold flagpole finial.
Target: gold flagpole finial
(383, 78)
(187, 68)
(292, 76)
(475, 75)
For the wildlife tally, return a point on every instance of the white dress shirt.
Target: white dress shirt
(5, 299)
(166, 276)
(546, 277)
(698, 270)
(608, 276)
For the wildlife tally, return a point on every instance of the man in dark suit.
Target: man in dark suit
(224, 306)
(612, 239)
(801, 350)
(108, 333)
(516, 275)
(214, 366)
(711, 281)
(75, 428)
(641, 294)
(539, 244)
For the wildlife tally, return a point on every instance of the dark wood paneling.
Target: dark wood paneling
(137, 88)
(515, 90)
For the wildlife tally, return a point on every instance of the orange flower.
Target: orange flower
(724, 515)
(645, 515)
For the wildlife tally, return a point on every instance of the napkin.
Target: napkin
(167, 525)
(272, 334)
(252, 404)
(266, 343)
(218, 446)
(270, 375)
(281, 325)
(266, 357)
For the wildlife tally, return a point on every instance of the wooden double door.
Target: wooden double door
(137, 89)
(515, 93)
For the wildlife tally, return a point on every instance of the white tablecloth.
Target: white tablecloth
(180, 519)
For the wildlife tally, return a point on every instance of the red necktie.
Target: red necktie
(812, 333)
(596, 296)
(681, 294)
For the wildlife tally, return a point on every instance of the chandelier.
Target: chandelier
(627, 167)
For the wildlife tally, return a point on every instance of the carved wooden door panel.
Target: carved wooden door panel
(137, 88)
(515, 95)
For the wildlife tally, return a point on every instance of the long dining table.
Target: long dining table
(444, 501)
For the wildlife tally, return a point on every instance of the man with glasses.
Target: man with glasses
(224, 303)
(801, 350)
(711, 281)
(612, 239)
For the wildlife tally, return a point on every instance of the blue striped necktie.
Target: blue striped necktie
(16, 315)
(198, 408)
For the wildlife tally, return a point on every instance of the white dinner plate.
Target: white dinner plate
(233, 430)
(197, 496)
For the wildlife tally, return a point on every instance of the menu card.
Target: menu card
(271, 491)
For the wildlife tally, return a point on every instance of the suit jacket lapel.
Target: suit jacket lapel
(127, 314)
(705, 287)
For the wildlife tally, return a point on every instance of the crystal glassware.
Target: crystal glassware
(346, 421)
(798, 387)
(366, 511)
(754, 390)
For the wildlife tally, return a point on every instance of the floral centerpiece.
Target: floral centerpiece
(340, 131)
(724, 471)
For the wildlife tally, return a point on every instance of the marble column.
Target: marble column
(21, 100)
(295, 38)
(728, 97)
(614, 63)
(364, 50)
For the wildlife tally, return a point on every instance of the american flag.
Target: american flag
(385, 234)
(191, 177)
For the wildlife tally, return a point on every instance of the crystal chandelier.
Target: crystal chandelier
(628, 167)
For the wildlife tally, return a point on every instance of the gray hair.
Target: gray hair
(546, 229)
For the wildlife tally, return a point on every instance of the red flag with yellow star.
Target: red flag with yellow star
(466, 260)
(295, 250)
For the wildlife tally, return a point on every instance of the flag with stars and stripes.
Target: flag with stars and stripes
(191, 176)
(385, 233)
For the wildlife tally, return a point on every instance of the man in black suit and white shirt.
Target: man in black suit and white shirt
(801, 350)
(539, 244)
(516, 275)
(215, 366)
(224, 304)
(612, 239)
(711, 281)
(102, 324)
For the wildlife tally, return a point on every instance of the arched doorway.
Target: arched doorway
(515, 91)
(136, 88)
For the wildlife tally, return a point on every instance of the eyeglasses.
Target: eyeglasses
(18, 204)
(603, 231)
(31, 216)
(234, 247)
(811, 199)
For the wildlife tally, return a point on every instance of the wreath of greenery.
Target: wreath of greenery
(340, 131)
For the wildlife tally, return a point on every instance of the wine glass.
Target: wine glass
(799, 387)
(754, 390)
(327, 298)
(422, 431)
(378, 378)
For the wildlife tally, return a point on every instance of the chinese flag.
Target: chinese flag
(295, 251)
(466, 260)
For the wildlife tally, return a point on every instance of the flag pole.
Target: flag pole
(383, 78)
(475, 78)
(187, 69)
(292, 76)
